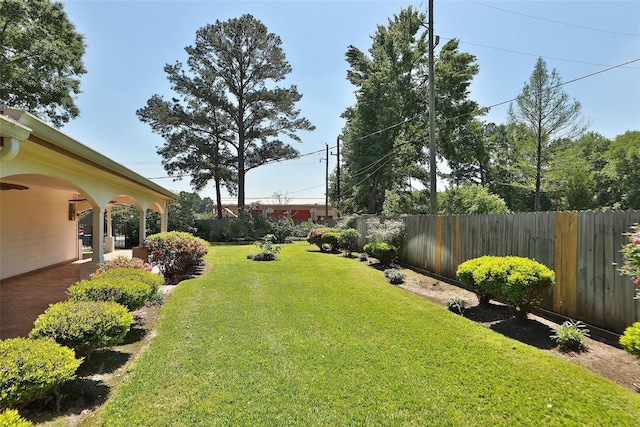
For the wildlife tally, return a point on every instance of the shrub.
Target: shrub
(237, 228)
(518, 281)
(152, 279)
(122, 262)
(630, 339)
(282, 228)
(363, 257)
(570, 335)
(83, 325)
(126, 291)
(176, 253)
(30, 369)
(315, 236)
(394, 276)
(387, 230)
(11, 418)
(303, 229)
(631, 256)
(465, 274)
(385, 252)
(329, 240)
(349, 239)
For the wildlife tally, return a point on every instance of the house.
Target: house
(301, 210)
(46, 180)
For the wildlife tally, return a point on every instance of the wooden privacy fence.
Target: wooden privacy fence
(583, 248)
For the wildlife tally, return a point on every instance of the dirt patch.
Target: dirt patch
(604, 358)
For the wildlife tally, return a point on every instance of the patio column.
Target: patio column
(109, 241)
(98, 234)
(142, 232)
(163, 221)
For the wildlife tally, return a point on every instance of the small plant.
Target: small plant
(394, 276)
(364, 257)
(630, 339)
(457, 305)
(11, 418)
(83, 325)
(570, 335)
(31, 369)
(268, 250)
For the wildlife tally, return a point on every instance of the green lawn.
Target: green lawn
(320, 340)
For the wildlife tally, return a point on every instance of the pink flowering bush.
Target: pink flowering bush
(122, 262)
(631, 255)
(175, 253)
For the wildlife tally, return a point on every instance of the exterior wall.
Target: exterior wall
(35, 231)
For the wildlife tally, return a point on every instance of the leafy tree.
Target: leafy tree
(622, 173)
(549, 115)
(380, 145)
(459, 133)
(231, 114)
(471, 199)
(577, 180)
(406, 203)
(40, 59)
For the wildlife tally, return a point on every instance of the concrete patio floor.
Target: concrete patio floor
(24, 298)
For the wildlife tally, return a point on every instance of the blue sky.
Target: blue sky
(129, 42)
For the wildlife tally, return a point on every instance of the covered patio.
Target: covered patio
(24, 298)
(47, 180)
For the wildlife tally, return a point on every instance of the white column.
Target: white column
(109, 242)
(143, 226)
(98, 234)
(164, 219)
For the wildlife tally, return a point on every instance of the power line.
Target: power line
(553, 21)
(531, 54)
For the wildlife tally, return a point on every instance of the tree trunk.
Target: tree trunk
(373, 194)
(218, 197)
(536, 205)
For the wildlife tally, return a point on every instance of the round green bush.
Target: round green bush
(349, 239)
(11, 418)
(132, 273)
(84, 325)
(465, 274)
(385, 252)
(126, 291)
(630, 339)
(315, 236)
(520, 282)
(30, 369)
(329, 240)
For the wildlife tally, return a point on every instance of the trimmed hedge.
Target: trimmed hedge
(83, 325)
(517, 281)
(11, 418)
(30, 369)
(130, 287)
(329, 240)
(175, 253)
(385, 252)
(315, 236)
(630, 339)
(465, 274)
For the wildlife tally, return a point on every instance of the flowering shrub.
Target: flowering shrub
(387, 230)
(631, 255)
(31, 369)
(348, 239)
(175, 253)
(122, 262)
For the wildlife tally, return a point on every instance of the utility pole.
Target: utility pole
(326, 181)
(432, 119)
(337, 169)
